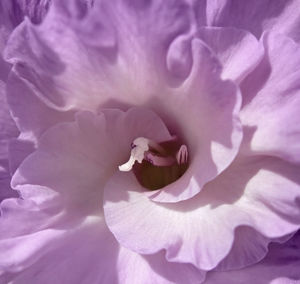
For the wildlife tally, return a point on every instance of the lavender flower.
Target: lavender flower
(156, 142)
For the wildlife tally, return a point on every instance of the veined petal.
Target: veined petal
(280, 266)
(255, 16)
(238, 50)
(102, 257)
(82, 155)
(262, 193)
(8, 130)
(204, 111)
(271, 101)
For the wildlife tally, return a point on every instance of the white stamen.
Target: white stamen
(141, 145)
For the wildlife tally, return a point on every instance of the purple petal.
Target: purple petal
(70, 71)
(280, 266)
(262, 194)
(205, 110)
(255, 16)
(8, 130)
(82, 155)
(271, 101)
(89, 246)
(238, 50)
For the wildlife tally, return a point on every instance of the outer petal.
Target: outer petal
(15, 11)
(8, 130)
(125, 56)
(255, 16)
(91, 247)
(118, 76)
(280, 266)
(262, 194)
(12, 14)
(32, 117)
(271, 101)
(239, 51)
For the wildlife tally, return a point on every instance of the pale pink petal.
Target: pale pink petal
(271, 101)
(262, 194)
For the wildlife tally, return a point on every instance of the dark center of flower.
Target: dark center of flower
(156, 165)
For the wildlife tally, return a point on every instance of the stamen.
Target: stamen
(138, 149)
(182, 155)
(157, 164)
(158, 160)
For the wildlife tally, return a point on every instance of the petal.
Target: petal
(239, 51)
(255, 16)
(91, 247)
(280, 266)
(8, 131)
(135, 268)
(271, 101)
(15, 11)
(122, 58)
(32, 117)
(152, 88)
(75, 159)
(262, 194)
(12, 13)
(204, 111)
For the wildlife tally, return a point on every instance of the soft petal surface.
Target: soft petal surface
(280, 266)
(81, 83)
(12, 13)
(262, 193)
(271, 101)
(210, 106)
(255, 16)
(124, 70)
(66, 210)
(100, 255)
(8, 130)
(238, 50)
(83, 154)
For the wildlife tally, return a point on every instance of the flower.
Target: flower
(159, 141)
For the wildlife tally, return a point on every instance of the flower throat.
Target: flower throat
(156, 165)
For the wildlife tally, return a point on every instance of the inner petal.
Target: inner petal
(156, 165)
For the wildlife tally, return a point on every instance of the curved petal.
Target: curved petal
(239, 51)
(12, 13)
(271, 101)
(91, 247)
(204, 111)
(31, 116)
(116, 75)
(16, 10)
(125, 56)
(262, 193)
(255, 16)
(280, 266)
(8, 130)
(75, 159)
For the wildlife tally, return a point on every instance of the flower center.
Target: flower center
(156, 165)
